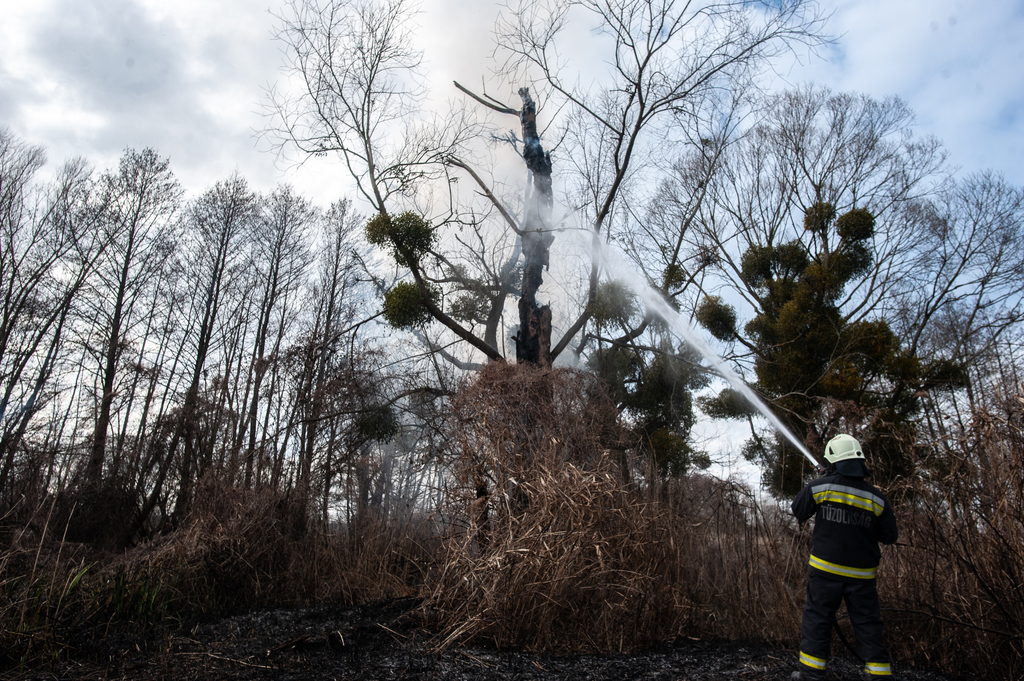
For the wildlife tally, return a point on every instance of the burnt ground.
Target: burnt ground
(388, 642)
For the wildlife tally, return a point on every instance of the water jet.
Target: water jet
(614, 261)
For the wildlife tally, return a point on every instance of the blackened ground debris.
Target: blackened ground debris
(388, 641)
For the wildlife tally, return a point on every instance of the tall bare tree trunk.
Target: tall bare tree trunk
(533, 344)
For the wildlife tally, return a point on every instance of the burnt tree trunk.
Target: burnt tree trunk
(533, 344)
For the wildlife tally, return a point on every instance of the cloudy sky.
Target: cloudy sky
(186, 77)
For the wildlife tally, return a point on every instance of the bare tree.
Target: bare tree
(279, 257)
(358, 95)
(966, 285)
(51, 241)
(216, 223)
(142, 199)
(665, 59)
(339, 395)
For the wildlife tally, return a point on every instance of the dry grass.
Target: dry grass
(553, 547)
(745, 563)
(957, 584)
(578, 569)
(588, 566)
(236, 551)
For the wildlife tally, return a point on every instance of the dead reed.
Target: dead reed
(957, 579)
(241, 549)
(556, 540)
(237, 550)
(40, 583)
(554, 546)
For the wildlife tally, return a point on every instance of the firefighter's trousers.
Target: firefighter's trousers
(823, 598)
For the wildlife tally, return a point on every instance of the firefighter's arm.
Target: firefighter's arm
(804, 505)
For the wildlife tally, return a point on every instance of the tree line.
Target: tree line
(150, 341)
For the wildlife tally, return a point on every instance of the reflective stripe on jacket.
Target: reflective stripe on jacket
(842, 570)
(851, 517)
(849, 496)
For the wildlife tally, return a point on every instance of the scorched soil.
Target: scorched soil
(388, 641)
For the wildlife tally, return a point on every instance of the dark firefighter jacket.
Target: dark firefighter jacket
(850, 518)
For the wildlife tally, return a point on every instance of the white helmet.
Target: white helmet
(844, 452)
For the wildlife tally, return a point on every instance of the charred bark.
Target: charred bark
(533, 344)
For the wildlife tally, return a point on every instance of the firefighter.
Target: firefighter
(851, 517)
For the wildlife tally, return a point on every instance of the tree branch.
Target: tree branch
(496, 106)
(487, 192)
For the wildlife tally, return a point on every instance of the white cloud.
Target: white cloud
(91, 77)
(955, 64)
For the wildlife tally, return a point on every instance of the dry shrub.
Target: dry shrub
(740, 561)
(96, 515)
(241, 549)
(237, 550)
(580, 568)
(956, 580)
(551, 549)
